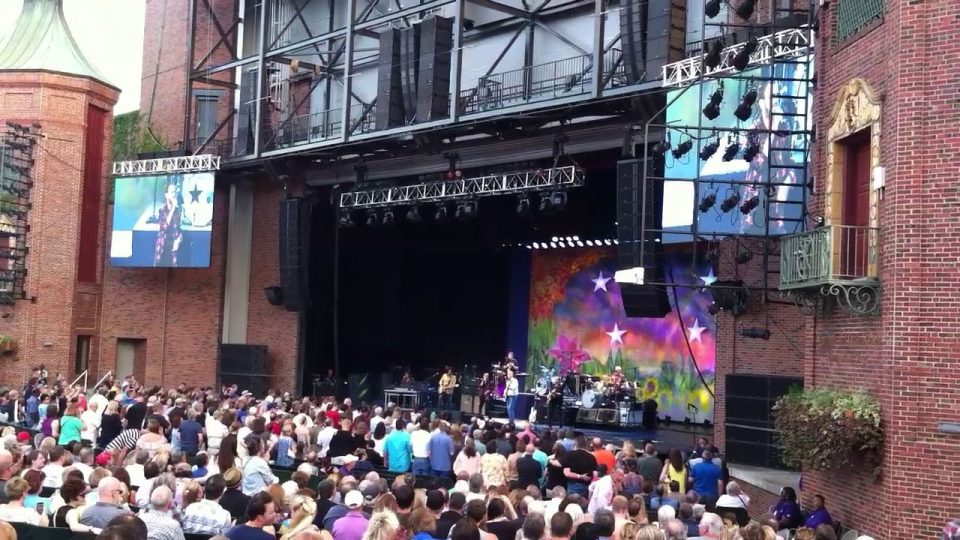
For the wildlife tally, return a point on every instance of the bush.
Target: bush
(824, 429)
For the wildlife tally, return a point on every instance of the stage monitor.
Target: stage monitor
(162, 221)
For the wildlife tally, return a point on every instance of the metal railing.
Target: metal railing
(551, 80)
(829, 254)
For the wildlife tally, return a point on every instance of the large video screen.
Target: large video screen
(162, 221)
(777, 123)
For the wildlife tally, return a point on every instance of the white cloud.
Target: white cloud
(110, 34)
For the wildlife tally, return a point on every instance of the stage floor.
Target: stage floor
(665, 437)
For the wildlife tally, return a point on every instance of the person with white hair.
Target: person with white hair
(734, 497)
(711, 525)
(158, 517)
(376, 419)
(664, 514)
(674, 529)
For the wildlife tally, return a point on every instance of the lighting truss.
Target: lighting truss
(785, 43)
(170, 165)
(465, 188)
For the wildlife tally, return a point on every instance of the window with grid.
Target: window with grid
(855, 15)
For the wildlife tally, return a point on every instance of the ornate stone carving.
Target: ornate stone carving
(857, 107)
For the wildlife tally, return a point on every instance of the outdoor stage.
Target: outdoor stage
(664, 437)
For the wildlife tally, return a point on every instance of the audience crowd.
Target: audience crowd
(131, 462)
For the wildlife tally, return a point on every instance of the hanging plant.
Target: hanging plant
(8, 345)
(825, 429)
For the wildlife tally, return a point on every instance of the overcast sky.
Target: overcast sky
(110, 34)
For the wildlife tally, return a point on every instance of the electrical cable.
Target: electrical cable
(156, 75)
(683, 330)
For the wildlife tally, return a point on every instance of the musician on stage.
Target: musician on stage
(509, 363)
(407, 379)
(511, 392)
(448, 382)
(555, 404)
(617, 378)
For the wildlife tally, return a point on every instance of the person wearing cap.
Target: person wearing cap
(233, 499)
(352, 525)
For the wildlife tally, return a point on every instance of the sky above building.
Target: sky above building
(110, 34)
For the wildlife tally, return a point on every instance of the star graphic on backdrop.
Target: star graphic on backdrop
(600, 283)
(195, 194)
(616, 336)
(708, 279)
(696, 330)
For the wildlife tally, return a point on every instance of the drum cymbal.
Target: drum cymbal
(522, 374)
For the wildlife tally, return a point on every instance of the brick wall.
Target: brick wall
(761, 500)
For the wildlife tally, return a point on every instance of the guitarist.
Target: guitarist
(448, 382)
(555, 404)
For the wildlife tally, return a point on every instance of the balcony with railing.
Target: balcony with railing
(833, 261)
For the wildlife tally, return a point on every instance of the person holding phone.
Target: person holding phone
(15, 511)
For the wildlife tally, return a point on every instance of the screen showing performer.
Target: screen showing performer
(162, 221)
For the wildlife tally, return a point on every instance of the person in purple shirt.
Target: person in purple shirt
(787, 511)
(352, 525)
(819, 515)
(440, 449)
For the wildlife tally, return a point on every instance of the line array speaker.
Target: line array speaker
(243, 365)
(294, 253)
(433, 89)
(665, 39)
(409, 69)
(633, 18)
(389, 93)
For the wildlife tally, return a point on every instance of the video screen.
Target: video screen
(162, 221)
(783, 107)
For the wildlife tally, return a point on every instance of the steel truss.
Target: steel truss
(490, 185)
(171, 165)
(780, 45)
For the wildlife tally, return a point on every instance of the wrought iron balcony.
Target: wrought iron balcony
(834, 261)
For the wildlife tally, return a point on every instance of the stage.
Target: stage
(664, 436)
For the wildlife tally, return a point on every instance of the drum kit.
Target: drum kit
(588, 391)
(495, 380)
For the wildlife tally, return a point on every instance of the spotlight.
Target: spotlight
(742, 59)
(575, 237)
(553, 245)
(715, 55)
(712, 110)
(590, 243)
(751, 151)
(750, 204)
(466, 210)
(554, 239)
(617, 242)
(536, 245)
(579, 243)
(372, 218)
(731, 151)
(682, 149)
(744, 256)
(388, 217)
(523, 206)
(559, 200)
(712, 8)
(755, 333)
(441, 214)
(662, 147)
(745, 109)
(608, 242)
(730, 202)
(345, 220)
(413, 215)
(569, 239)
(709, 150)
(545, 204)
(745, 10)
(707, 203)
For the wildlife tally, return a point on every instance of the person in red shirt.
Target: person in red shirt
(603, 456)
(333, 413)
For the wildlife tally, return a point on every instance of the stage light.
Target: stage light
(523, 206)
(752, 151)
(617, 242)
(590, 243)
(388, 217)
(755, 333)
(466, 210)
(750, 204)
(372, 218)
(575, 237)
(608, 242)
(707, 203)
(745, 109)
(731, 151)
(712, 110)
(715, 55)
(561, 244)
(345, 220)
(553, 245)
(662, 147)
(745, 10)
(559, 200)
(579, 243)
(744, 256)
(742, 59)
(536, 245)
(554, 239)
(441, 214)
(545, 203)
(709, 150)
(682, 149)
(529, 246)
(730, 202)
(569, 239)
(413, 215)
(712, 8)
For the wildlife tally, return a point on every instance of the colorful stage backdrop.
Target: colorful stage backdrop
(577, 322)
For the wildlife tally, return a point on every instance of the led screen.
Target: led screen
(783, 106)
(162, 221)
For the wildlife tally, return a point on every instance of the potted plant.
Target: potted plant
(826, 429)
(8, 345)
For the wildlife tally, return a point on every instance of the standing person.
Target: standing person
(233, 499)
(397, 452)
(352, 525)
(493, 466)
(468, 460)
(650, 466)
(674, 470)
(529, 470)
(448, 382)
(13, 408)
(441, 450)
(70, 425)
(603, 456)
(110, 424)
(261, 513)
(579, 467)
(420, 445)
(191, 433)
(707, 479)
(510, 392)
(256, 471)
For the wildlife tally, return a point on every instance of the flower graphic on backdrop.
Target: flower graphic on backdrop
(569, 354)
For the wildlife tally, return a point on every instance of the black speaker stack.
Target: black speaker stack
(652, 34)
(413, 82)
(245, 366)
(295, 214)
(639, 221)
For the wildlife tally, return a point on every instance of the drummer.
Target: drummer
(616, 378)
